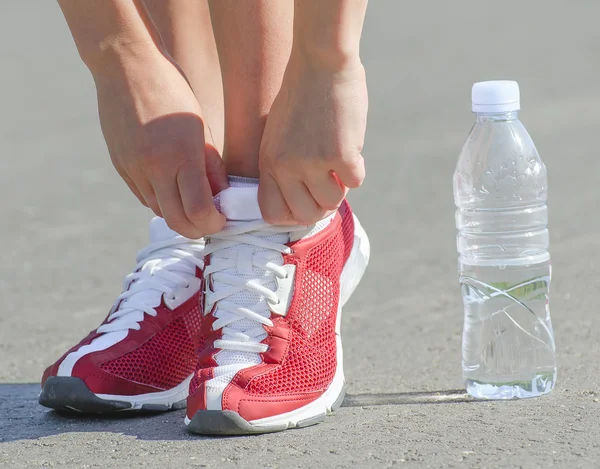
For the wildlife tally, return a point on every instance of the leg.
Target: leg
(186, 29)
(254, 40)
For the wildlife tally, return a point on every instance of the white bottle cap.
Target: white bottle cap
(496, 96)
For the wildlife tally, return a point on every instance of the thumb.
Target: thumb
(215, 169)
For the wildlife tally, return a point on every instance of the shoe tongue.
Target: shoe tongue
(159, 231)
(239, 202)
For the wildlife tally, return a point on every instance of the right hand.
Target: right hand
(155, 133)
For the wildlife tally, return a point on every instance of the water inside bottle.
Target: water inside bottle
(508, 343)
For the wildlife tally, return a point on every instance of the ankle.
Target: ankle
(245, 166)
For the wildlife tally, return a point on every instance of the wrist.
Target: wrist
(111, 33)
(333, 57)
(327, 33)
(113, 60)
(307, 64)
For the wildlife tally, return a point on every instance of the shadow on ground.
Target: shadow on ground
(22, 418)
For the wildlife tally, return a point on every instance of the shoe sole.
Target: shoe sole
(71, 394)
(228, 422)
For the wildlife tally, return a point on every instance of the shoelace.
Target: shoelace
(159, 271)
(231, 314)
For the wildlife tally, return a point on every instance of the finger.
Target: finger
(326, 190)
(304, 207)
(197, 199)
(273, 206)
(351, 173)
(147, 193)
(215, 169)
(169, 201)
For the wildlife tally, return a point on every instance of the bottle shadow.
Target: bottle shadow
(22, 418)
(404, 398)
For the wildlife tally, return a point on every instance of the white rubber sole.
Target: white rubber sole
(164, 398)
(228, 422)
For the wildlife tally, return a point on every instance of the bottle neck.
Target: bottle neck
(497, 116)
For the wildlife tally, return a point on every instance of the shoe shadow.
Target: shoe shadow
(22, 418)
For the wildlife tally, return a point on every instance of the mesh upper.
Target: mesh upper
(167, 358)
(311, 361)
(195, 382)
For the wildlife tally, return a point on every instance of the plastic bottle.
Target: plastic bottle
(500, 190)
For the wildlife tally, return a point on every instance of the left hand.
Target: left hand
(310, 152)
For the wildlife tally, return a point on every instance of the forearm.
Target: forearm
(108, 33)
(329, 31)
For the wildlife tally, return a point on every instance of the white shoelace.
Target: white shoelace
(241, 324)
(162, 267)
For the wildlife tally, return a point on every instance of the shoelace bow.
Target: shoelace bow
(163, 275)
(250, 234)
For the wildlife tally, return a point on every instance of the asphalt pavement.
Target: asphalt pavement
(69, 231)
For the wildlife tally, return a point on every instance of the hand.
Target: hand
(155, 133)
(310, 152)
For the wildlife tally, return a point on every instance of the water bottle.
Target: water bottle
(500, 190)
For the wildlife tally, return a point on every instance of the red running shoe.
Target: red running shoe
(144, 354)
(273, 299)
